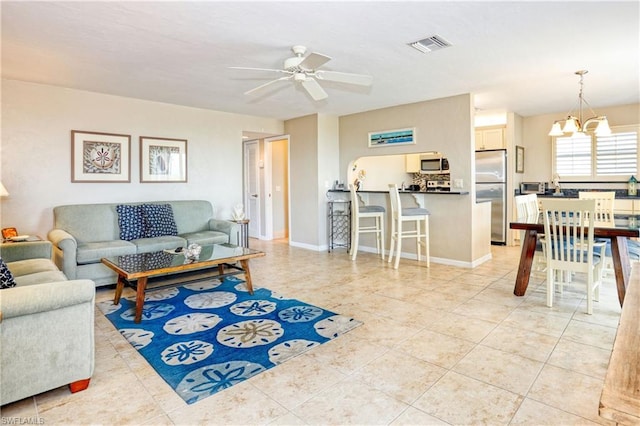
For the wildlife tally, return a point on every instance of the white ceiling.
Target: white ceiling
(513, 56)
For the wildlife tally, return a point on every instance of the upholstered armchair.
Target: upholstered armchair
(46, 325)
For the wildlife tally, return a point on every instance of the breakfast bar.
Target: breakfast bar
(450, 213)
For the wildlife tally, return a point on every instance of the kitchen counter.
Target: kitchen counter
(573, 193)
(406, 191)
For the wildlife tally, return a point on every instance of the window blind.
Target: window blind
(617, 154)
(573, 156)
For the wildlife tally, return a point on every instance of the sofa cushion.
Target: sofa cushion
(205, 237)
(130, 220)
(41, 277)
(158, 220)
(167, 242)
(6, 277)
(31, 266)
(93, 252)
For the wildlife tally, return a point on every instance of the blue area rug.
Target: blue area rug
(208, 336)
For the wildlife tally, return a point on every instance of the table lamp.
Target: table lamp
(3, 191)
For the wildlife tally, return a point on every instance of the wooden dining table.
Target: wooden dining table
(617, 235)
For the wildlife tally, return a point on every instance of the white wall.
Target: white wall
(380, 172)
(36, 151)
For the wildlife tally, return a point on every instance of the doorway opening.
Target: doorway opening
(266, 187)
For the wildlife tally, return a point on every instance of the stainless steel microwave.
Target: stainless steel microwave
(532, 187)
(433, 164)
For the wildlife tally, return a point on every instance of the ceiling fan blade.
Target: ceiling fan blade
(262, 86)
(313, 88)
(259, 69)
(314, 61)
(344, 77)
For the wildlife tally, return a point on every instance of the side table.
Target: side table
(243, 233)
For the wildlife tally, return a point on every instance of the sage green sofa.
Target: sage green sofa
(85, 233)
(46, 325)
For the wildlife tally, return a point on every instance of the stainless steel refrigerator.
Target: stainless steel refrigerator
(491, 184)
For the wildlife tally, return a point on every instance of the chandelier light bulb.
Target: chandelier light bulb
(570, 125)
(556, 130)
(603, 128)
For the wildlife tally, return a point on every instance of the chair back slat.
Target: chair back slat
(603, 216)
(527, 207)
(569, 230)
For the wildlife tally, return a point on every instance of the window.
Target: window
(589, 156)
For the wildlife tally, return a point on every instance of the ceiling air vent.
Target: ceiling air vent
(430, 44)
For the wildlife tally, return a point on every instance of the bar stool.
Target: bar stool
(398, 217)
(365, 212)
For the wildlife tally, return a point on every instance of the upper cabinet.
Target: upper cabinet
(490, 138)
(412, 163)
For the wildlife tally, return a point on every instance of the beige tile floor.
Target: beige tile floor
(443, 345)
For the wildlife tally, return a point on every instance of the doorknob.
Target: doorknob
(254, 195)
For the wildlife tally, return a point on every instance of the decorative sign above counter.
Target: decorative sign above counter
(392, 137)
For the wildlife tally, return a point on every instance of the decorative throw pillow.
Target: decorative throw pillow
(6, 277)
(158, 220)
(131, 222)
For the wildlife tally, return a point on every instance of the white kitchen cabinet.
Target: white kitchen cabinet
(625, 206)
(490, 138)
(412, 163)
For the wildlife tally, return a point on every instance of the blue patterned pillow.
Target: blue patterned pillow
(6, 277)
(158, 220)
(131, 222)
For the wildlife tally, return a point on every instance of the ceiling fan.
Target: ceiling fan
(304, 70)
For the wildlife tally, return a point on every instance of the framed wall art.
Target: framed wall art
(392, 137)
(519, 159)
(100, 157)
(163, 159)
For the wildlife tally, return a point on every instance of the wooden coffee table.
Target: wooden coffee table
(161, 269)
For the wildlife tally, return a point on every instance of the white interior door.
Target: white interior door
(252, 187)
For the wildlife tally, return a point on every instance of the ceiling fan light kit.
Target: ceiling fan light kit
(304, 70)
(575, 126)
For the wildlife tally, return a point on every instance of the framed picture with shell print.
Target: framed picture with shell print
(100, 157)
(163, 159)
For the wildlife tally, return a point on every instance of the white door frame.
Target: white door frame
(268, 190)
(268, 167)
(246, 196)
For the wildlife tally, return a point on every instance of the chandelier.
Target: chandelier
(575, 125)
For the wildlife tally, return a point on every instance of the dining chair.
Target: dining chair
(604, 206)
(565, 223)
(528, 208)
(399, 216)
(358, 213)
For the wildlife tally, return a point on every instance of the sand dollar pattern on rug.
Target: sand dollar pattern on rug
(213, 299)
(214, 378)
(252, 308)
(187, 352)
(191, 323)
